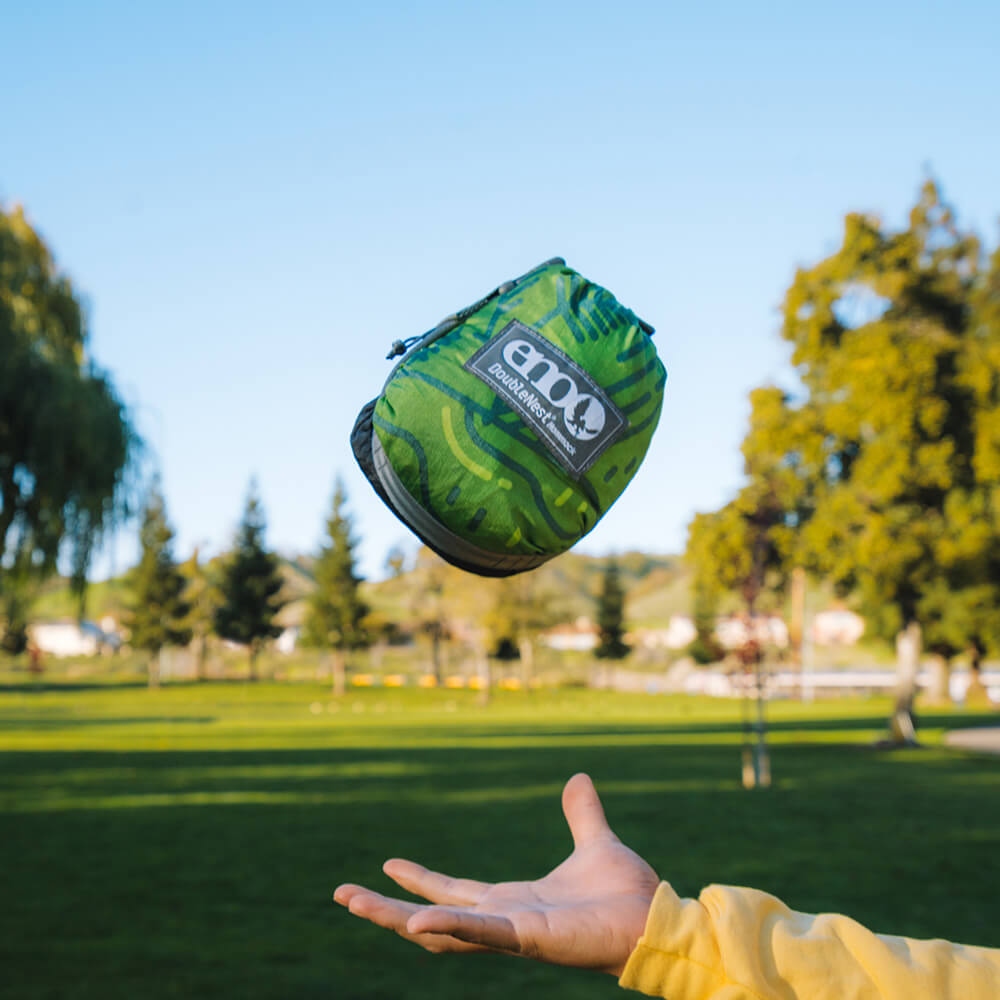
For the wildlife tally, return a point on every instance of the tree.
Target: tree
(336, 612)
(972, 559)
(249, 586)
(429, 606)
(395, 562)
(519, 611)
(202, 595)
(611, 616)
(18, 595)
(68, 452)
(157, 614)
(877, 463)
(705, 647)
(880, 331)
(743, 548)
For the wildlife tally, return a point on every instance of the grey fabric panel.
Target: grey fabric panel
(434, 531)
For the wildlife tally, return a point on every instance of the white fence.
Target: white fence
(782, 683)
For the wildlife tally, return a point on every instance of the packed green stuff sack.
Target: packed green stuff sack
(504, 434)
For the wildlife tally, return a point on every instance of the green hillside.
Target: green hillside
(56, 601)
(657, 586)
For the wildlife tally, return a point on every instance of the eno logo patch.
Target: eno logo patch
(554, 396)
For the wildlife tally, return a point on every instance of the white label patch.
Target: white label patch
(554, 396)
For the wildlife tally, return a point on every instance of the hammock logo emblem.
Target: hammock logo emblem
(557, 399)
(582, 414)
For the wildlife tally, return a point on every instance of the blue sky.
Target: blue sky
(258, 199)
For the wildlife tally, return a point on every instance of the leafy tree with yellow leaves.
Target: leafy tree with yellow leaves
(885, 466)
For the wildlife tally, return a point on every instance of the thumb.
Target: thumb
(583, 811)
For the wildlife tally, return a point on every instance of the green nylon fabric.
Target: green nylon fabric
(471, 461)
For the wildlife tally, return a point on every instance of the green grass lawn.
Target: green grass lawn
(186, 841)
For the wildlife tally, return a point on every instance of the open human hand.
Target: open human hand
(587, 912)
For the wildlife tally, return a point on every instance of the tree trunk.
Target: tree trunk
(976, 693)
(154, 670)
(527, 650)
(35, 666)
(909, 645)
(486, 673)
(939, 691)
(338, 672)
(254, 650)
(796, 631)
(436, 655)
(199, 657)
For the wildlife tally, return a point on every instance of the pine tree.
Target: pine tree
(157, 615)
(611, 616)
(336, 612)
(249, 586)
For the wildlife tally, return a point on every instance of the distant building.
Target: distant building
(734, 632)
(70, 638)
(678, 634)
(837, 626)
(581, 636)
(288, 640)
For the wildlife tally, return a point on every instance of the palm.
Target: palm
(587, 912)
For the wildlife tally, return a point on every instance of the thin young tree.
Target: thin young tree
(395, 562)
(430, 608)
(520, 611)
(157, 615)
(336, 611)
(203, 597)
(250, 584)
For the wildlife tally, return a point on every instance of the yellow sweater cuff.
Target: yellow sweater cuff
(676, 956)
(741, 944)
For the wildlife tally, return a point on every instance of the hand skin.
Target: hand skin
(588, 912)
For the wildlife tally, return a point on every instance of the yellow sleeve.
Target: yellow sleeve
(741, 944)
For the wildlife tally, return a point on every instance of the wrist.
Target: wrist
(633, 928)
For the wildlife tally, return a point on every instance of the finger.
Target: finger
(476, 928)
(382, 910)
(433, 885)
(344, 893)
(393, 915)
(583, 810)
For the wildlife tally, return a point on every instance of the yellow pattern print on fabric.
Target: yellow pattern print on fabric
(449, 435)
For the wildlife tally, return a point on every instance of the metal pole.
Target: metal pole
(748, 770)
(762, 763)
(807, 653)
